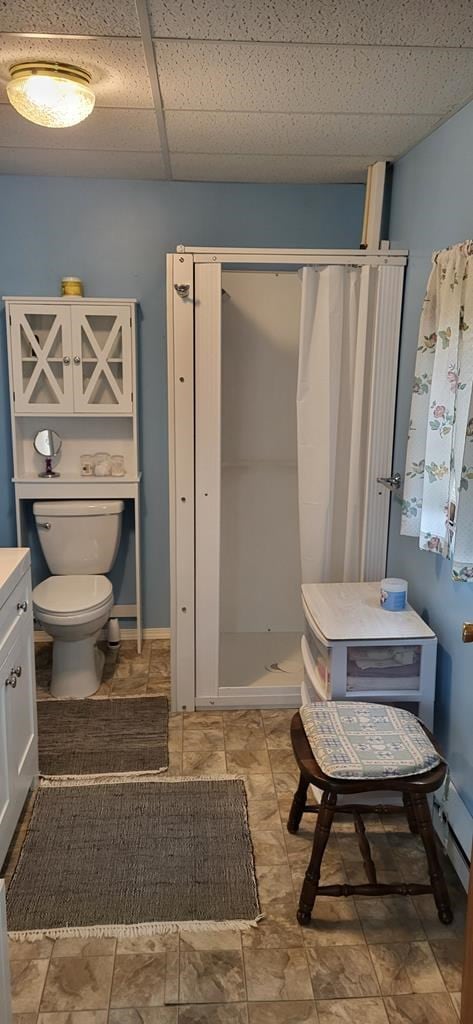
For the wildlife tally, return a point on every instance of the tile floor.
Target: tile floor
(363, 961)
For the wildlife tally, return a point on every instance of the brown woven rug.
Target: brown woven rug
(135, 858)
(93, 738)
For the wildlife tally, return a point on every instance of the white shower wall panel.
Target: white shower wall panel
(260, 561)
(260, 341)
(260, 583)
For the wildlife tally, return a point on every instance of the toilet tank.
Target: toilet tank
(78, 537)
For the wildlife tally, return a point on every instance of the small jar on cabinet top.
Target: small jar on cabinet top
(72, 286)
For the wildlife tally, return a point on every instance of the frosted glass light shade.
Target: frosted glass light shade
(51, 95)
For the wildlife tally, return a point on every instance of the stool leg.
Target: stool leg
(410, 815)
(298, 805)
(365, 849)
(426, 832)
(312, 876)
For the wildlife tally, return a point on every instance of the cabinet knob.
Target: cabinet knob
(66, 360)
(11, 681)
(22, 606)
(77, 360)
(16, 671)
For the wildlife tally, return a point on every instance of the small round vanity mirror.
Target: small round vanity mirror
(47, 443)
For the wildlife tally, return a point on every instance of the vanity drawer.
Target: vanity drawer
(16, 608)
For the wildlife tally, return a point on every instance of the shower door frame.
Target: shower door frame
(194, 307)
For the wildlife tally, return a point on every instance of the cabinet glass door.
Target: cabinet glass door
(41, 359)
(102, 372)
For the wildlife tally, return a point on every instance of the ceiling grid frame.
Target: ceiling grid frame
(153, 74)
(327, 89)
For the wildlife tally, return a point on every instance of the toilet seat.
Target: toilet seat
(72, 600)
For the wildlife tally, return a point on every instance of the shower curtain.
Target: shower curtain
(438, 490)
(333, 403)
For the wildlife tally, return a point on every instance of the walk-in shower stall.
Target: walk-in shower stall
(282, 369)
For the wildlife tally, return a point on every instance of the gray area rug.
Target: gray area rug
(102, 737)
(135, 858)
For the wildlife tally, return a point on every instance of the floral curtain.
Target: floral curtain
(437, 503)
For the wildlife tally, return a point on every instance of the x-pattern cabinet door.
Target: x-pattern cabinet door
(101, 356)
(41, 358)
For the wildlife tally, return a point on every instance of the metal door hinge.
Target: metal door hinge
(183, 290)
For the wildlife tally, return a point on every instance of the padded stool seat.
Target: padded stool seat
(344, 738)
(357, 740)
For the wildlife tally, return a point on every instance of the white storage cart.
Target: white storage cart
(355, 650)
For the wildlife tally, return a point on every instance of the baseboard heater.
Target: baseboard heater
(454, 826)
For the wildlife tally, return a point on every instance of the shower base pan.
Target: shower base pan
(258, 670)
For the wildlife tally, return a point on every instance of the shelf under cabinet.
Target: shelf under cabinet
(74, 478)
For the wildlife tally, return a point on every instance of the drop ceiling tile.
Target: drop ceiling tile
(384, 136)
(393, 22)
(117, 66)
(296, 169)
(299, 78)
(80, 164)
(83, 17)
(134, 130)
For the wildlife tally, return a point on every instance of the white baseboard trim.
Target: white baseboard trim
(150, 633)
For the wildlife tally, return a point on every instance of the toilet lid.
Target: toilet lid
(68, 594)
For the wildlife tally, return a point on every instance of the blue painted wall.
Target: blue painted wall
(431, 208)
(114, 234)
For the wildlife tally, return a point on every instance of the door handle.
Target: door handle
(393, 483)
(11, 681)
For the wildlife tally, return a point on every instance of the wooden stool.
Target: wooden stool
(413, 789)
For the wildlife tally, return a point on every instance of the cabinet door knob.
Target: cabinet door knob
(22, 606)
(11, 681)
(66, 360)
(77, 360)
(16, 671)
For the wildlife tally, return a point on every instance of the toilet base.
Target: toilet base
(77, 667)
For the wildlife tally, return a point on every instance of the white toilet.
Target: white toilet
(80, 542)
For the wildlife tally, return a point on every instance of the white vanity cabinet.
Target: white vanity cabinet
(18, 726)
(71, 356)
(5, 1001)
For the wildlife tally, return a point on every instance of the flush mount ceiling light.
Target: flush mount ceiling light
(50, 94)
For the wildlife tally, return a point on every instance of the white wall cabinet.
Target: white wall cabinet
(72, 368)
(68, 358)
(18, 728)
